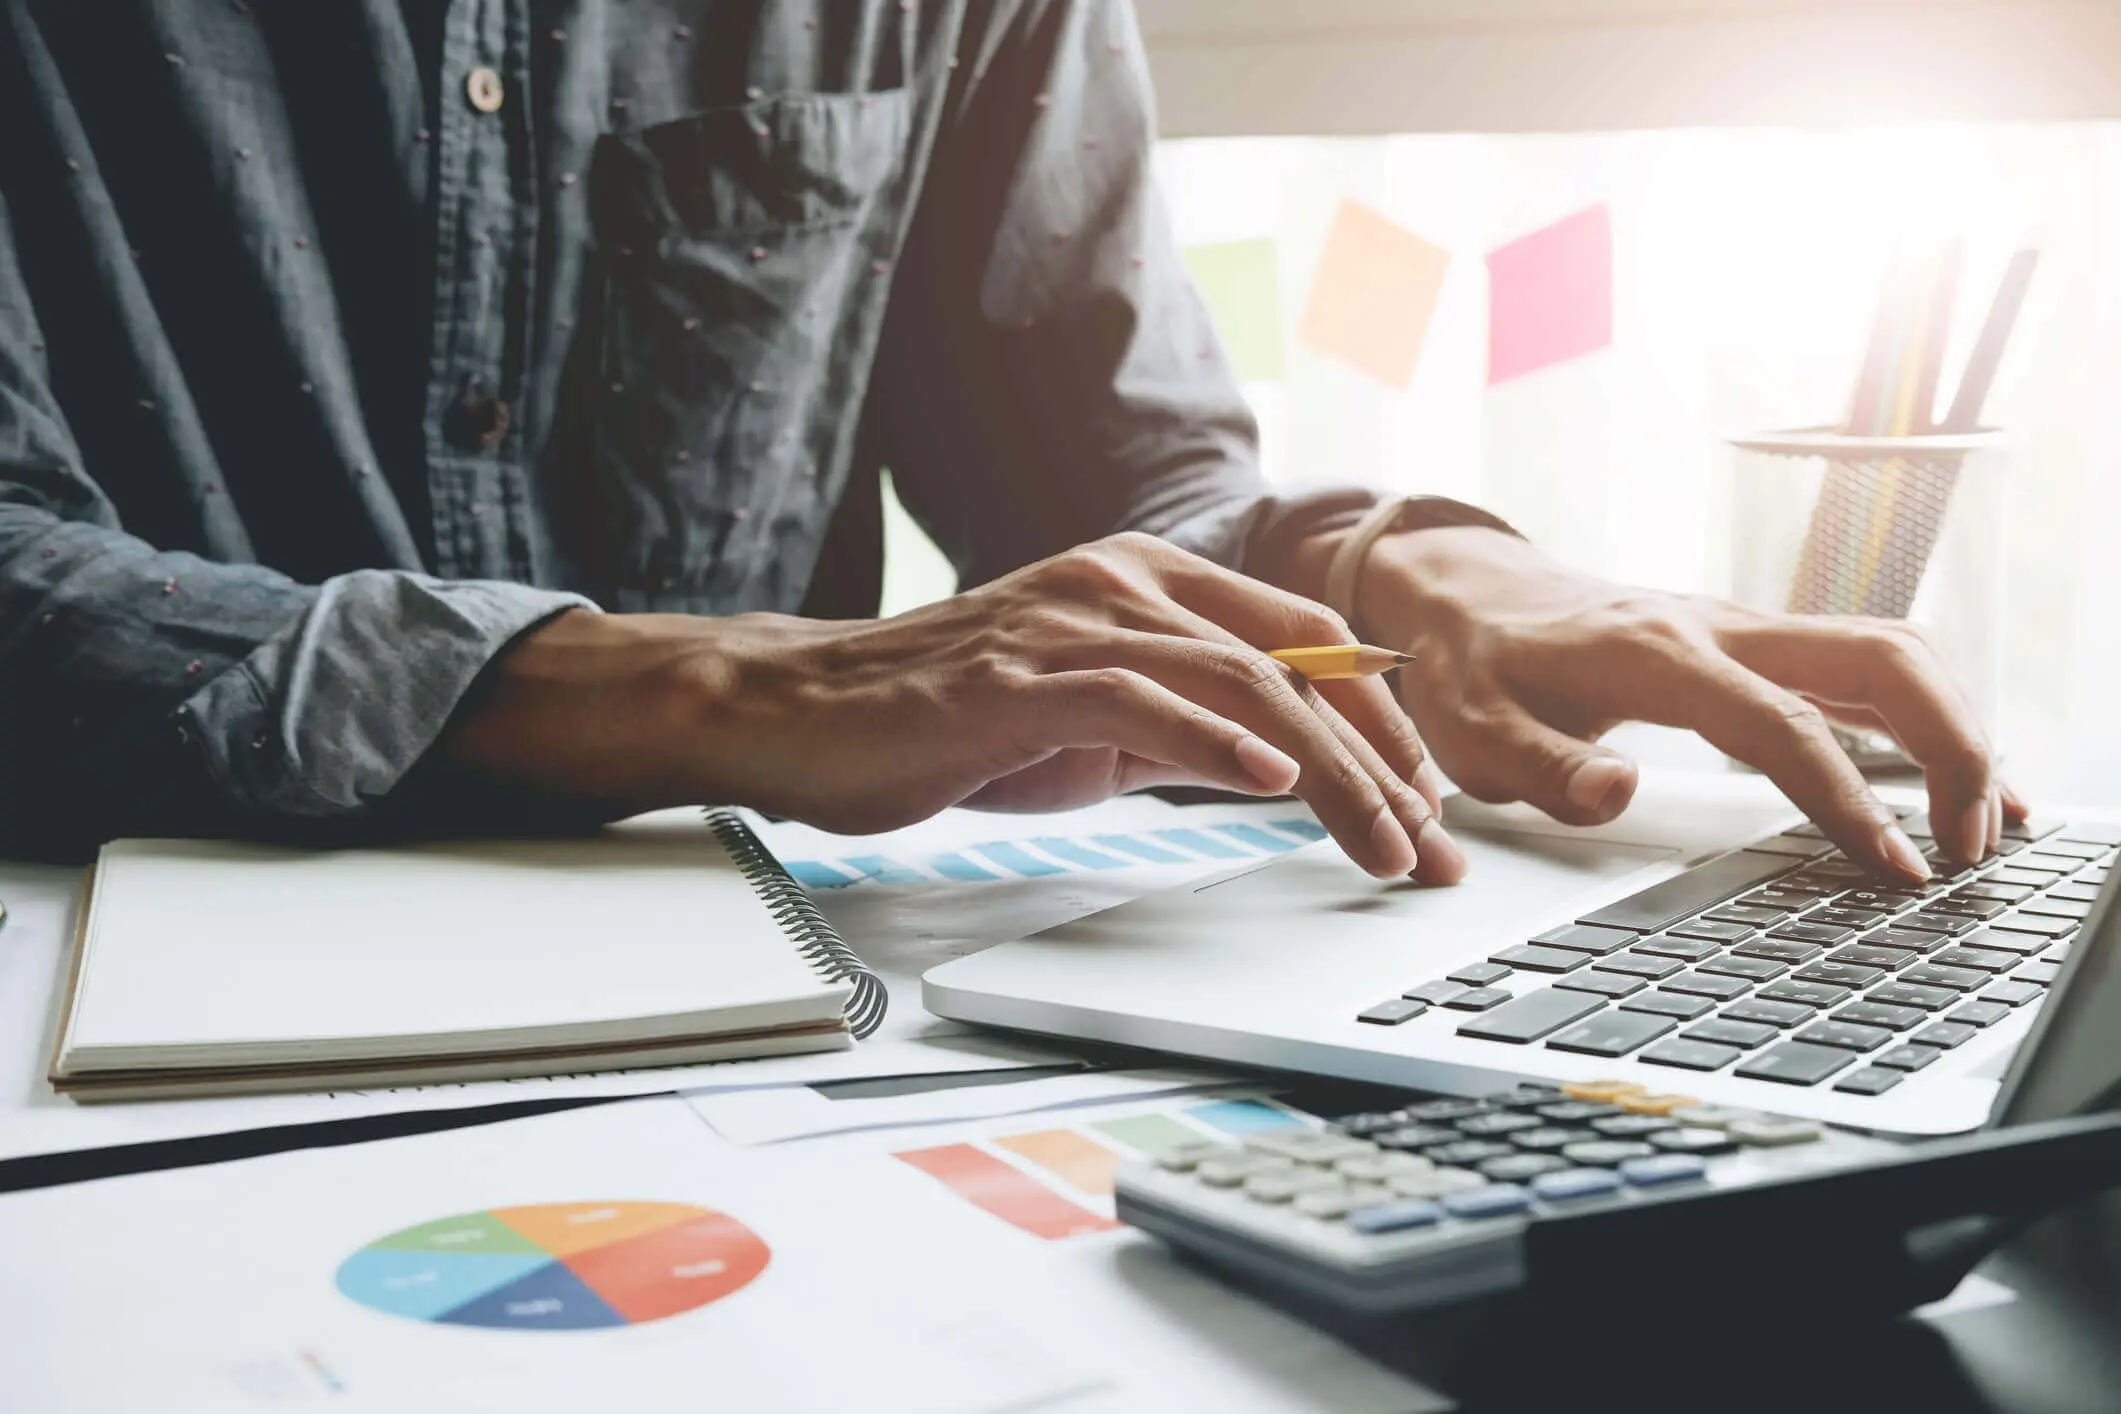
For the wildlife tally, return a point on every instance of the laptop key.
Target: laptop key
(1905, 939)
(2030, 923)
(1711, 930)
(1845, 1035)
(1905, 994)
(1479, 999)
(1779, 950)
(1777, 901)
(1639, 964)
(1611, 1033)
(1874, 901)
(1706, 984)
(1745, 915)
(1980, 1013)
(2014, 993)
(1795, 1063)
(1947, 923)
(2023, 944)
(1663, 1003)
(1671, 945)
(1690, 1055)
(1480, 974)
(1980, 959)
(1805, 992)
(1534, 958)
(1722, 1031)
(1769, 1012)
(1604, 984)
(1804, 932)
(2072, 892)
(1841, 916)
(1577, 938)
(2032, 878)
(1944, 1034)
(1393, 1012)
(1871, 1080)
(1929, 974)
(1907, 1057)
(1965, 907)
(1757, 969)
(1866, 955)
(2073, 849)
(2036, 974)
(1997, 893)
(1435, 993)
(1839, 974)
(1705, 885)
(1892, 1018)
(1532, 1016)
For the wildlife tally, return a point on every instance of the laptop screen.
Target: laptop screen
(2070, 1062)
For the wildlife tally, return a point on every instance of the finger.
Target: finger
(1112, 707)
(1499, 752)
(1440, 859)
(1374, 816)
(2015, 809)
(1889, 670)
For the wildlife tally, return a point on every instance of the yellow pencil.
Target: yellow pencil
(1340, 660)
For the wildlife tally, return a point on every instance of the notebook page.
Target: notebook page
(249, 954)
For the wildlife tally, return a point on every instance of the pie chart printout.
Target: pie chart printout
(556, 1266)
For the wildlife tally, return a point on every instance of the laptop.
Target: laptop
(1708, 942)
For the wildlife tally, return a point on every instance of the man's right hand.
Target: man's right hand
(1122, 664)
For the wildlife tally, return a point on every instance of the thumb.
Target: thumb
(1507, 754)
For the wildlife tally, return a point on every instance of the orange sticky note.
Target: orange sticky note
(1373, 294)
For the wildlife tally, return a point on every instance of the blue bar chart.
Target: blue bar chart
(1048, 856)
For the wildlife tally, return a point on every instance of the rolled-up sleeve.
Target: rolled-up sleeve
(146, 690)
(1048, 374)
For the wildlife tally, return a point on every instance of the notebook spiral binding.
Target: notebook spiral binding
(819, 942)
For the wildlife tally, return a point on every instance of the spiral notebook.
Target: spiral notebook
(211, 968)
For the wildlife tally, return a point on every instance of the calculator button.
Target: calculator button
(1548, 1138)
(1690, 1055)
(1907, 1057)
(1393, 1012)
(1845, 1036)
(1447, 1111)
(1363, 1125)
(2017, 993)
(1756, 1012)
(1519, 1168)
(1612, 1033)
(1234, 1169)
(1722, 1031)
(1600, 1091)
(1981, 1013)
(1528, 1095)
(1906, 994)
(1494, 1126)
(1330, 1203)
(1712, 1116)
(1533, 1015)
(1534, 958)
(1604, 984)
(1435, 993)
(1571, 1184)
(1311, 1146)
(1434, 1184)
(1376, 1168)
(1184, 1158)
(1676, 1004)
(1495, 1201)
(1805, 992)
(1944, 1034)
(1661, 1169)
(1605, 1153)
(1631, 1126)
(1467, 1152)
(1871, 1080)
(1706, 984)
(1480, 974)
(1577, 1111)
(1479, 999)
(1772, 1131)
(1280, 1185)
(1892, 1018)
(1414, 1136)
(1688, 1140)
(1795, 1063)
(1395, 1217)
(1576, 937)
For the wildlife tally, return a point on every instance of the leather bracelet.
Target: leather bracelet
(1344, 571)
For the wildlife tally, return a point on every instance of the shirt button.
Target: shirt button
(483, 87)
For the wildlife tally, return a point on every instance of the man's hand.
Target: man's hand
(1118, 665)
(1524, 664)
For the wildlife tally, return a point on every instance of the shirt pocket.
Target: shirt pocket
(733, 244)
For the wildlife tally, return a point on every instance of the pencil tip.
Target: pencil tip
(1400, 660)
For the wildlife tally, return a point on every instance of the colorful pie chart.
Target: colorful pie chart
(556, 1266)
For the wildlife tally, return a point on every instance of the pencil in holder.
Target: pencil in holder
(1909, 527)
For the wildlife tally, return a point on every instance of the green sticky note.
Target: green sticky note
(1236, 280)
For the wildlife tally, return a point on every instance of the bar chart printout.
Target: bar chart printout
(1052, 856)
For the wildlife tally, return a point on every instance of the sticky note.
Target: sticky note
(1236, 281)
(1372, 295)
(1550, 295)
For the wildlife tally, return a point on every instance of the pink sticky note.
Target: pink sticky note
(1373, 294)
(1550, 295)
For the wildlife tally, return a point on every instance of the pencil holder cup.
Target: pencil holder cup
(1907, 528)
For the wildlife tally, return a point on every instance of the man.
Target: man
(352, 356)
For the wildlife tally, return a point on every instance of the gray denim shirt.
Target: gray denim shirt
(342, 343)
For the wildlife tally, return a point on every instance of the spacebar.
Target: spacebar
(1704, 885)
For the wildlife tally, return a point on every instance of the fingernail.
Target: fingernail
(1388, 840)
(1441, 852)
(1897, 847)
(1269, 765)
(1973, 831)
(1600, 786)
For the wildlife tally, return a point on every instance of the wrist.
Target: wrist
(1415, 581)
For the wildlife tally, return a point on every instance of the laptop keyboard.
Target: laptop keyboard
(1785, 962)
